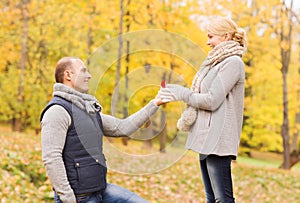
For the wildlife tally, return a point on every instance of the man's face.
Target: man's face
(81, 76)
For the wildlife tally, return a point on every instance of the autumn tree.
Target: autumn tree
(35, 34)
(31, 56)
(285, 33)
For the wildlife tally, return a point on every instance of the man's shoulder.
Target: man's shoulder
(57, 107)
(58, 102)
(57, 110)
(56, 113)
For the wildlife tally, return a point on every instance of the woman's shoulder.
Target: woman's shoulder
(234, 58)
(232, 62)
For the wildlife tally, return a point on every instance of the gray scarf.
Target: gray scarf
(215, 56)
(83, 101)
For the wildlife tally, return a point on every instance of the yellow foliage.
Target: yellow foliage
(61, 28)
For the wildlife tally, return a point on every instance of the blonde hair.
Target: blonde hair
(221, 25)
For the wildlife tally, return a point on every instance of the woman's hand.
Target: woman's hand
(173, 92)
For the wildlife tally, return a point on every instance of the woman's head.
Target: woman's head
(224, 29)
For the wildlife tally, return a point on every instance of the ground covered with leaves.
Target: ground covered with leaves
(23, 177)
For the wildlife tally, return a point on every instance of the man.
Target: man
(72, 127)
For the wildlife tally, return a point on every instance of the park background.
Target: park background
(35, 34)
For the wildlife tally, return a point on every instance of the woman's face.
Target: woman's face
(213, 40)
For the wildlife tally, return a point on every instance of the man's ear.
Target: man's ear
(67, 75)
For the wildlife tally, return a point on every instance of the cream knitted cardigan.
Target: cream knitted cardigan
(219, 53)
(219, 105)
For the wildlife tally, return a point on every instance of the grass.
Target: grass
(256, 180)
(265, 160)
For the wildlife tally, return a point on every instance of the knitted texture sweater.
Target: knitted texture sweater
(220, 109)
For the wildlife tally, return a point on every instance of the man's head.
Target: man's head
(72, 72)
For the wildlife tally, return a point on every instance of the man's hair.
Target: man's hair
(63, 64)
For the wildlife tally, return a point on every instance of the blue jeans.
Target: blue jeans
(112, 194)
(216, 175)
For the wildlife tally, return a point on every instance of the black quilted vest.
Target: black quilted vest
(82, 155)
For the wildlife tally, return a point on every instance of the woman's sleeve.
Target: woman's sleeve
(228, 75)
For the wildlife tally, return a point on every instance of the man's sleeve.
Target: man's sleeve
(115, 127)
(55, 124)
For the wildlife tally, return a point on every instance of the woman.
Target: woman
(215, 107)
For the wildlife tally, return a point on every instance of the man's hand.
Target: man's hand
(158, 101)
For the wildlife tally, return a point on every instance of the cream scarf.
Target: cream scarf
(218, 54)
(83, 101)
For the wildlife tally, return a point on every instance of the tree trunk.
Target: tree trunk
(295, 155)
(89, 33)
(285, 48)
(164, 132)
(147, 66)
(125, 108)
(16, 124)
(163, 137)
(115, 97)
(294, 158)
(285, 126)
(295, 141)
(17, 121)
(148, 143)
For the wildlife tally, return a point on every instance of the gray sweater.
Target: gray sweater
(55, 124)
(220, 105)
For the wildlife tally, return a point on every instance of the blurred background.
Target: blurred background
(35, 34)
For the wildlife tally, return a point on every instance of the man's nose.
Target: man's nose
(89, 75)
